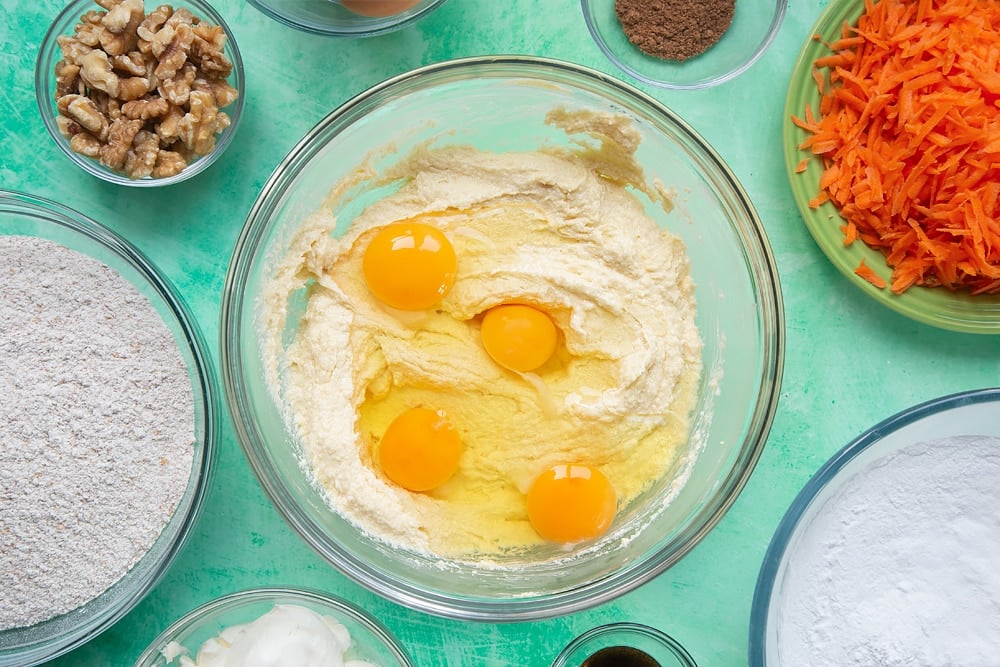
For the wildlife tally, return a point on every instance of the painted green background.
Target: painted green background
(850, 361)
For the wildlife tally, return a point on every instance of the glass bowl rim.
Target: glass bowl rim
(665, 640)
(705, 82)
(265, 593)
(54, 213)
(767, 576)
(374, 27)
(762, 265)
(48, 48)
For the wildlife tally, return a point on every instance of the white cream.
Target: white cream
(286, 635)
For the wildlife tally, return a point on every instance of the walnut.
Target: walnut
(67, 79)
(181, 16)
(141, 92)
(87, 144)
(146, 108)
(197, 128)
(171, 46)
(120, 25)
(133, 88)
(67, 126)
(177, 89)
(88, 33)
(133, 63)
(153, 22)
(170, 126)
(96, 72)
(121, 133)
(168, 163)
(73, 50)
(85, 112)
(141, 158)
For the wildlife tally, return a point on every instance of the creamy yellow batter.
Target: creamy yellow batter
(555, 230)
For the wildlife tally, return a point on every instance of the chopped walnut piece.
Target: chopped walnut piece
(146, 108)
(197, 128)
(177, 89)
(170, 126)
(141, 92)
(171, 46)
(96, 72)
(181, 16)
(86, 144)
(67, 126)
(153, 22)
(67, 79)
(168, 163)
(141, 158)
(85, 112)
(121, 133)
(133, 88)
(133, 63)
(73, 50)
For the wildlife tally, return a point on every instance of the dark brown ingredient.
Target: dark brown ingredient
(620, 656)
(674, 29)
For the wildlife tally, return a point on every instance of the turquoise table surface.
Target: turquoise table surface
(850, 362)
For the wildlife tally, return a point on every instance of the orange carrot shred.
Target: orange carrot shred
(908, 131)
(801, 166)
(869, 274)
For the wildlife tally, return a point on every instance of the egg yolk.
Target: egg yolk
(420, 449)
(518, 337)
(409, 265)
(570, 503)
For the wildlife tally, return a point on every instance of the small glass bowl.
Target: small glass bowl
(754, 26)
(499, 103)
(632, 638)
(370, 640)
(49, 54)
(25, 215)
(331, 18)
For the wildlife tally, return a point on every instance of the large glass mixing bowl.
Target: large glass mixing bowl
(500, 104)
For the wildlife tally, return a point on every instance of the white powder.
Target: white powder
(96, 428)
(900, 566)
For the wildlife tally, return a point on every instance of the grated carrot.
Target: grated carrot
(908, 129)
(869, 274)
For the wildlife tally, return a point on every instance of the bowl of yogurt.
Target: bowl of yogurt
(270, 626)
(502, 338)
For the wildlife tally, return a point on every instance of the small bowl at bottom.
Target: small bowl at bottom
(624, 645)
(370, 641)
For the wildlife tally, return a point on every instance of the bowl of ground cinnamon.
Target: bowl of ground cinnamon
(683, 44)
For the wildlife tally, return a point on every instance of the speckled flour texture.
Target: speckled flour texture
(96, 428)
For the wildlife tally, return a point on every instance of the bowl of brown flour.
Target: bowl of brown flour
(108, 427)
(683, 44)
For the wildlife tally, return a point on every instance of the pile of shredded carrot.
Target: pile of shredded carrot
(908, 129)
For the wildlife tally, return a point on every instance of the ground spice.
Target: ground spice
(674, 29)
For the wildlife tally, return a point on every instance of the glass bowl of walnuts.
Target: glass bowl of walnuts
(140, 96)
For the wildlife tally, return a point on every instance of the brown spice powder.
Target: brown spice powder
(674, 29)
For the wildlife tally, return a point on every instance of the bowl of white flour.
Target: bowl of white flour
(887, 556)
(107, 430)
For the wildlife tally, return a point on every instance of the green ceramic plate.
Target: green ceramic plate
(935, 306)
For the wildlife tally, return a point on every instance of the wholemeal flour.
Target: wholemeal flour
(96, 428)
